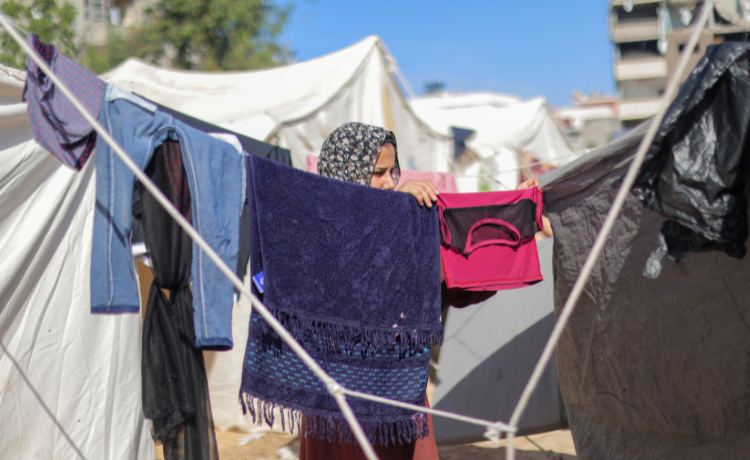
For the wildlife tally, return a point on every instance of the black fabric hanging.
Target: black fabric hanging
(175, 388)
(694, 173)
(249, 145)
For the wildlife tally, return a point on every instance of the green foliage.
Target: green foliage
(121, 44)
(209, 35)
(53, 24)
(220, 34)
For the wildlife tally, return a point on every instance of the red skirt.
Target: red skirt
(317, 449)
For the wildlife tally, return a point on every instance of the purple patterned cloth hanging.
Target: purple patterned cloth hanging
(53, 120)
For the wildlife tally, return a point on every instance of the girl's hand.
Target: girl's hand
(423, 190)
(533, 182)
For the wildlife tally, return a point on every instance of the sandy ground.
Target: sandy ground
(272, 446)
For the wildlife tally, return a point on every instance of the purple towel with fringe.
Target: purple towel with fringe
(354, 274)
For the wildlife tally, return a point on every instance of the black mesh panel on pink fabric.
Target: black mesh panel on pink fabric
(469, 228)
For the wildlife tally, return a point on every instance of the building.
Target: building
(648, 37)
(97, 18)
(591, 122)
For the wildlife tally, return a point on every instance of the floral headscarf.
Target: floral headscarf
(351, 151)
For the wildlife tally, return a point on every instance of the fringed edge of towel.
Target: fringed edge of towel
(344, 337)
(334, 427)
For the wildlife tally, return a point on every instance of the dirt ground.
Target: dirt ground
(264, 444)
(272, 446)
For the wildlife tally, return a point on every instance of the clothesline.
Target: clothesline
(487, 176)
(334, 388)
(528, 165)
(210, 253)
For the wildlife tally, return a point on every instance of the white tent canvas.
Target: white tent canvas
(298, 105)
(70, 381)
(504, 126)
(14, 127)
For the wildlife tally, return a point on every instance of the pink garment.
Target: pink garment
(311, 164)
(445, 182)
(488, 239)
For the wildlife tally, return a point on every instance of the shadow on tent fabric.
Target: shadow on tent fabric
(508, 368)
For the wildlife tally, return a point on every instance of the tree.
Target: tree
(205, 35)
(53, 24)
(120, 45)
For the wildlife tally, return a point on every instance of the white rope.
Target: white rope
(334, 388)
(406, 84)
(536, 163)
(606, 229)
(462, 418)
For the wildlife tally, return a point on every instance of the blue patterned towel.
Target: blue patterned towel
(354, 274)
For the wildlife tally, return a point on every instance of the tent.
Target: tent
(298, 105)
(504, 127)
(70, 383)
(103, 399)
(488, 354)
(649, 369)
(14, 127)
(295, 106)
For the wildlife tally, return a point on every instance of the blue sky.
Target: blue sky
(522, 47)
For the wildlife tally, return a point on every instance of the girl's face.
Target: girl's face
(382, 175)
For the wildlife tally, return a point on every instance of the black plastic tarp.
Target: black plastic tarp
(648, 369)
(693, 173)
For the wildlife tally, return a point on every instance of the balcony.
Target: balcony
(640, 69)
(635, 31)
(638, 109)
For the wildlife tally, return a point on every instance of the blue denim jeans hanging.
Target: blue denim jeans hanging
(216, 175)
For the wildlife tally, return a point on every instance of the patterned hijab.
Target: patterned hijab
(351, 151)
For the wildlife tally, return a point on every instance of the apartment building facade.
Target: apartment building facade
(97, 18)
(648, 37)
